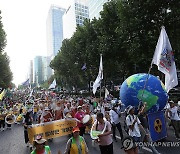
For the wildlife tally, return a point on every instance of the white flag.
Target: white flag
(99, 77)
(106, 93)
(53, 85)
(164, 59)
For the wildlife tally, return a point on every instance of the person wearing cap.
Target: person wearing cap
(40, 146)
(9, 111)
(133, 125)
(172, 113)
(73, 109)
(67, 110)
(79, 116)
(76, 144)
(59, 110)
(46, 115)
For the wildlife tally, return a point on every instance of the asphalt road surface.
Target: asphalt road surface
(12, 142)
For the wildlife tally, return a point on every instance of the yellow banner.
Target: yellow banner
(3, 93)
(51, 129)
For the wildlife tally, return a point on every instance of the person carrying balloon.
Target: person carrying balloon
(142, 115)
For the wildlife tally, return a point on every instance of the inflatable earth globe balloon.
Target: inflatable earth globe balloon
(132, 92)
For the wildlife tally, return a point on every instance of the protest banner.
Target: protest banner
(51, 129)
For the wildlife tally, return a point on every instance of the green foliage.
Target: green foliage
(5, 72)
(2, 36)
(126, 35)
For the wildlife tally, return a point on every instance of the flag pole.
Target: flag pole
(100, 81)
(97, 82)
(146, 80)
(100, 90)
(148, 74)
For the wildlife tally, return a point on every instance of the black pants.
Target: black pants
(82, 131)
(106, 149)
(176, 126)
(26, 138)
(2, 123)
(119, 129)
(9, 125)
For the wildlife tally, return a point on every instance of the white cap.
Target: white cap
(130, 108)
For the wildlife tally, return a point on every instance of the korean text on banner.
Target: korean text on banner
(51, 129)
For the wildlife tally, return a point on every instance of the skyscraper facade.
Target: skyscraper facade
(75, 15)
(54, 30)
(41, 69)
(31, 72)
(38, 72)
(95, 7)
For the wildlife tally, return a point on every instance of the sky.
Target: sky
(24, 22)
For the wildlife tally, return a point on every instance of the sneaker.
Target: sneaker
(3, 129)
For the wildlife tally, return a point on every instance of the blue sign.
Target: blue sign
(157, 125)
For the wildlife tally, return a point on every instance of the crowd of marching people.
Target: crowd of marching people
(108, 113)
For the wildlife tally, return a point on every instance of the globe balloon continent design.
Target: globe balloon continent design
(132, 91)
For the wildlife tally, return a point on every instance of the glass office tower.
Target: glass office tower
(75, 15)
(95, 7)
(54, 30)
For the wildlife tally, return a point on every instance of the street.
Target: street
(12, 142)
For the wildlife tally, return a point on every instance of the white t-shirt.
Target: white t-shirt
(114, 117)
(174, 114)
(66, 110)
(129, 121)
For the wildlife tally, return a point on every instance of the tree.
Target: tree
(5, 72)
(126, 35)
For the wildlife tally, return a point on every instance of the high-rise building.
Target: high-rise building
(95, 7)
(41, 69)
(31, 72)
(75, 15)
(38, 76)
(54, 30)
